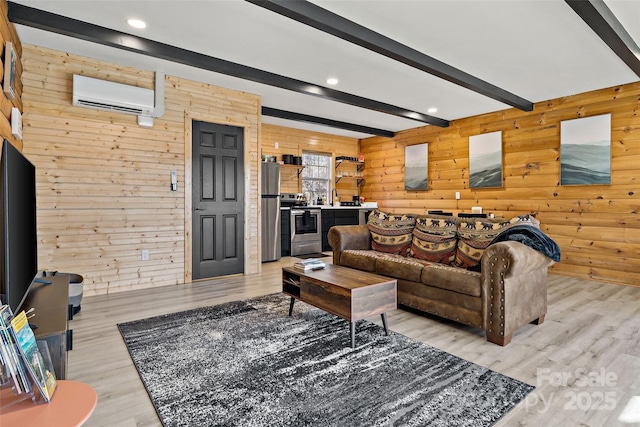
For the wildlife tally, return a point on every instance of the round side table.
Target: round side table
(72, 404)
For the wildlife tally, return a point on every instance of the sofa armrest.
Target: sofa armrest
(520, 258)
(514, 288)
(343, 237)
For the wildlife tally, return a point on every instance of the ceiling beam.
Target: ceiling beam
(43, 20)
(289, 115)
(329, 22)
(604, 23)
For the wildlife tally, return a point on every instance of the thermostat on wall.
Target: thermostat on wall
(16, 123)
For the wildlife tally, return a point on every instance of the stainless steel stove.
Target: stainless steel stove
(292, 199)
(306, 224)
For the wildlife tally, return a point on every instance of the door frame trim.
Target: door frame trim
(189, 117)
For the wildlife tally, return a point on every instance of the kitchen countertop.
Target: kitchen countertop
(365, 205)
(345, 207)
(330, 207)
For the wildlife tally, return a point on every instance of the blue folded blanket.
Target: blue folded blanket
(532, 237)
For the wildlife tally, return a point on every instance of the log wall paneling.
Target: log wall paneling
(103, 181)
(103, 196)
(597, 227)
(8, 33)
(296, 141)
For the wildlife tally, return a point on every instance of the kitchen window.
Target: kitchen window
(316, 176)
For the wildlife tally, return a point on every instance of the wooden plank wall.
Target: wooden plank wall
(8, 34)
(104, 182)
(295, 141)
(597, 227)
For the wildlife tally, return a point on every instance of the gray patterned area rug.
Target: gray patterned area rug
(247, 363)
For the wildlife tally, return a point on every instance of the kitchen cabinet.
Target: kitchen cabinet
(339, 216)
(285, 232)
(328, 221)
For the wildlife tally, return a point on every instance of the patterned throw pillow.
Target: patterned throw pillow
(434, 239)
(475, 234)
(391, 233)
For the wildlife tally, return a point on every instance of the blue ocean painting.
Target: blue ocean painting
(416, 165)
(585, 151)
(585, 164)
(485, 160)
(485, 171)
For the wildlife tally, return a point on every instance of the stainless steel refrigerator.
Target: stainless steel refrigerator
(270, 197)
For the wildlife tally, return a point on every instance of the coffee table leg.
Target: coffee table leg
(291, 306)
(384, 323)
(353, 334)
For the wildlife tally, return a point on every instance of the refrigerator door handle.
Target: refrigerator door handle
(276, 233)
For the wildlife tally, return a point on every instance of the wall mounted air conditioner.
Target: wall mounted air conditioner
(110, 96)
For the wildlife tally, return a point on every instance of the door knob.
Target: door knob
(200, 209)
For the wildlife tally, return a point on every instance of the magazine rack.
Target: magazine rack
(10, 393)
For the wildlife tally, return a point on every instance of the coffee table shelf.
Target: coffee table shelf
(344, 292)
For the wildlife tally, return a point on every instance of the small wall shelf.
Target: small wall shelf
(359, 165)
(359, 179)
(298, 167)
(351, 168)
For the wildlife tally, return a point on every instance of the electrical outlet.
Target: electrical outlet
(457, 195)
(277, 145)
(145, 255)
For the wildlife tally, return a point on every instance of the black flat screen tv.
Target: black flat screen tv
(19, 256)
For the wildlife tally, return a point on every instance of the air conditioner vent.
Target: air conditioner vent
(103, 106)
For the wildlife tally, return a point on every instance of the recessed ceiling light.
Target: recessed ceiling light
(137, 23)
(332, 81)
(432, 110)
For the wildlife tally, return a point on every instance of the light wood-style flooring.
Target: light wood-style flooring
(584, 359)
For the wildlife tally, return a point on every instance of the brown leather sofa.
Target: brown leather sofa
(509, 291)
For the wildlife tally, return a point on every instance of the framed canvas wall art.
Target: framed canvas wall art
(585, 151)
(416, 167)
(485, 160)
(10, 71)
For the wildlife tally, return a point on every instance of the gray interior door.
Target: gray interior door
(218, 200)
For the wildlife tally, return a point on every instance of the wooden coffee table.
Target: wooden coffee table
(347, 293)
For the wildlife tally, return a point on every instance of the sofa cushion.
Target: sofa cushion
(452, 279)
(391, 265)
(441, 302)
(434, 239)
(360, 259)
(475, 234)
(400, 267)
(391, 233)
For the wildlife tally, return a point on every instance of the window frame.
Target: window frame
(313, 195)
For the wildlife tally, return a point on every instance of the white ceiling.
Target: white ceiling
(536, 49)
